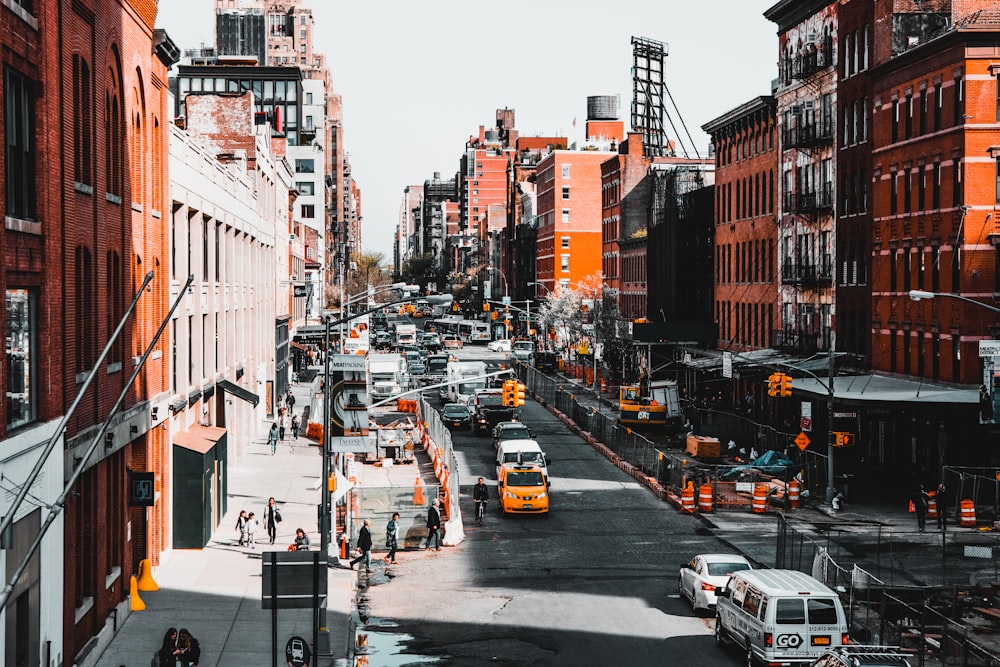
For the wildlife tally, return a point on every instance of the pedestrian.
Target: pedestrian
(919, 501)
(167, 655)
(296, 423)
(433, 526)
(942, 505)
(272, 517)
(364, 546)
(480, 496)
(282, 425)
(272, 437)
(290, 401)
(392, 539)
(189, 649)
(302, 541)
(241, 526)
(251, 531)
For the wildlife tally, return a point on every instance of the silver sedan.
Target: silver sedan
(699, 579)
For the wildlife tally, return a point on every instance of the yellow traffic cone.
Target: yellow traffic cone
(133, 591)
(146, 581)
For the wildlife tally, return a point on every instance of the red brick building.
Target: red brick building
(934, 183)
(746, 238)
(84, 113)
(620, 175)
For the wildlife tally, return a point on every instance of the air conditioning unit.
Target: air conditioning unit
(808, 105)
(292, 237)
(811, 37)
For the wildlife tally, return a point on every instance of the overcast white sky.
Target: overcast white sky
(418, 78)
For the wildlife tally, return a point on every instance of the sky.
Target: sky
(419, 78)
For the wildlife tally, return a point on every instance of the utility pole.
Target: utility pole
(831, 490)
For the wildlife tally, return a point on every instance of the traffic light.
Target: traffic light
(486, 306)
(843, 439)
(785, 389)
(494, 315)
(774, 384)
(509, 393)
(518, 393)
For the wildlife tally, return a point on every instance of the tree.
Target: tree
(419, 269)
(367, 269)
(617, 350)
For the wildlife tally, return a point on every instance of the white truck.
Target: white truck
(388, 375)
(406, 334)
(464, 379)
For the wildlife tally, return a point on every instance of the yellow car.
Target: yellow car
(523, 489)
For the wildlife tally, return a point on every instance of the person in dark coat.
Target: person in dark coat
(189, 650)
(364, 546)
(942, 498)
(433, 526)
(167, 655)
(920, 501)
(272, 516)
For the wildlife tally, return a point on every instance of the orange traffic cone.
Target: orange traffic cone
(133, 591)
(343, 547)
(146, 581)
(418, 492)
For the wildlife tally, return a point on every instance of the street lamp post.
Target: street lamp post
(918, 295)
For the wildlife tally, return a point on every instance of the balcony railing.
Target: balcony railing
(795, 341)
(816, 201)
(808, 273)
(810, 134)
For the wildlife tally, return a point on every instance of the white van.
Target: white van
(521, 451)
(779, 617)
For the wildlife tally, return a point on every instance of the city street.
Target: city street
(594, 582)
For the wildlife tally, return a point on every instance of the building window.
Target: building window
(895, 121)
(565, 215)
(305, 187)
(565, 171)
(958, 110)
(893, 193)
(565, 192)
(565, 263)
(565, 242)
(173, 355)
(923, 112)
(998, 181)
(936, 186)
(909, 116)
(921, 188)
(114, 309)
(308, 211)
(81, 121)
(22, 347)
(19, 140)
(85, 291)
(956, 184)
(306, 166)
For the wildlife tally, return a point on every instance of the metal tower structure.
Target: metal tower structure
(647, 94)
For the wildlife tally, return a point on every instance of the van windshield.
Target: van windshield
(822, 611)
(530, 478)
(789, 611)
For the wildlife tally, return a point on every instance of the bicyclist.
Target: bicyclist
(481, 495)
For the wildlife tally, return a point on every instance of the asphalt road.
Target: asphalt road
(592, 583)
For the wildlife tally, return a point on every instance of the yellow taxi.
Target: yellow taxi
(523, 489)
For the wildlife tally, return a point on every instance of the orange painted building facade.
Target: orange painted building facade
(569, 217)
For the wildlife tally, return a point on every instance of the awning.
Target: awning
(238, 392)
(299, 346)
(872, 388)
(198, 438)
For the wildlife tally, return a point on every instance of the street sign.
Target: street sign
(727, 365)
(349, 443)
(802, 441)
(989, 348)
(297, 652)
(806, 423)
(506, 300)
(293, 580)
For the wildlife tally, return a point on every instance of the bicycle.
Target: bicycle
(480, 510)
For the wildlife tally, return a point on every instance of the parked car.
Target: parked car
(500, 345)
(452, 342)
(512, 430)
(699, 579)
(456, 416)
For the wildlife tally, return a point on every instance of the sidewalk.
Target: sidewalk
(215, 592)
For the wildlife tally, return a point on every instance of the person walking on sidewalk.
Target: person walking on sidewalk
(942, 505)
(282, 424)
(251, 531)
(272, 517)
(392, 539)
(272, 437)
(296, 424)
(167, 655)
(919, 500)
(241, 526)
(290, 400)
(364, 546)
(433, 526)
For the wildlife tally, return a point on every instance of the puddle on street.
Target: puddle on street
(381, 646)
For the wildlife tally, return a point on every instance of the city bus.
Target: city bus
(443, 326)
(472, 331)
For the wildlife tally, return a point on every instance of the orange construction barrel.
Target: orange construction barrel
(932, 508)
(418, 492)
(794, 494)
(759, 498)
(705, 498)
(968, 516)
(687, 499)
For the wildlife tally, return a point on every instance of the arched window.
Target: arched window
(138, 139)
(114, 129)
